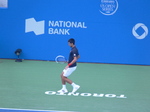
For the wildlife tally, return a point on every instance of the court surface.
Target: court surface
(31, 86)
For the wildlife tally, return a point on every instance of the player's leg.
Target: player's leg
(68, 73)
(62, 79)
(75, 86)
(64, 75)
(65, 79)
(64, 89)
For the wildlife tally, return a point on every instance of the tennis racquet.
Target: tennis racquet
(60, 59)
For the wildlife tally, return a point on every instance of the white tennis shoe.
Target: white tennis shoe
(63, 91)
(75, 88)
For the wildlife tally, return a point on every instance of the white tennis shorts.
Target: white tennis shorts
(68, 71)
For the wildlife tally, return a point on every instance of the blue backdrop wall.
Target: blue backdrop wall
(106, 31)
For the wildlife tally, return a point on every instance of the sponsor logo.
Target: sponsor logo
(98, 95)
(136, 27)
(63, 27)
(32, 25)
(108, 7)
(54, 27)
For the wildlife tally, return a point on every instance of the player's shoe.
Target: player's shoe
(63, 91)
(75, 88)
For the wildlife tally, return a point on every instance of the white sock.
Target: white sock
(63, 86)
(73, 84)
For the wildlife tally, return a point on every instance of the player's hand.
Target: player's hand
(66, 67)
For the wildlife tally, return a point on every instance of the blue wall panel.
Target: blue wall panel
(102, 38)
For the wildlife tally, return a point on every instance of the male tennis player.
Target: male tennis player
(71, 67)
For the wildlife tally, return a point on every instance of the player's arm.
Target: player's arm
(73, 61)
(78, 56)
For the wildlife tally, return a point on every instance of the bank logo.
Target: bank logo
(32, 25)
(108, 7)
(138, 26)
(58, 27)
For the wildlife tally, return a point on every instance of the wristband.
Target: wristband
(69, 64)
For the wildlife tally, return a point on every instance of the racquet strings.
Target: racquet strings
(60, 59)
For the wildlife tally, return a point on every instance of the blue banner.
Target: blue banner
(106, 31)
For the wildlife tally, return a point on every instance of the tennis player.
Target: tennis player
(70, 68)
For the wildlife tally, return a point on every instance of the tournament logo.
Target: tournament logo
(138, 26)
(108, 7)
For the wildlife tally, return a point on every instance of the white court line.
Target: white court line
(13, 109)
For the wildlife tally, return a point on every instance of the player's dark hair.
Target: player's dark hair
(71, 40)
